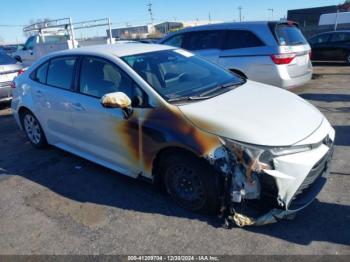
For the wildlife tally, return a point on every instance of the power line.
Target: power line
(12, 25)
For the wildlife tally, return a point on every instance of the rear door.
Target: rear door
(207, 43)
(53, 82)
(241, 49)
(320, 46)
(339, 43)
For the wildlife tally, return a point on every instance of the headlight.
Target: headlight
(259, 157)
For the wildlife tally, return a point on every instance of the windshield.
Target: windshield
(290, 35)
(177, 74)
(6, 59)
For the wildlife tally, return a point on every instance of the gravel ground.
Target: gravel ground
(52, 202)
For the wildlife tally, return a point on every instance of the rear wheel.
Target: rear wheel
(33, 130)
(190, 182)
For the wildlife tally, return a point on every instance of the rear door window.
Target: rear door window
(41, 73)
(288, 35)
(320, 39)
(61, 72)
(340, 37)
(241, 39)
(204, 40)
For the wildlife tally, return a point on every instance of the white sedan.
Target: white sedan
(212, 138)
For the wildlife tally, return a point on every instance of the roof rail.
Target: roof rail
(95, 23)
(58, 23)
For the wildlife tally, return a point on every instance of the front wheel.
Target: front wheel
(33, 130)
(191, 183)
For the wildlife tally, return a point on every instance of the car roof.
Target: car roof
(225, 26)
(332, 32)
(120, 50)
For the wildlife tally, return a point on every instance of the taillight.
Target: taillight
(283, 59)
(13, 84)
(310, 55)
(21, 71)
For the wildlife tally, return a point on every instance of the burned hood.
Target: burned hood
(255, 113)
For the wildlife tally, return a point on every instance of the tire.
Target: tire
(33, 130)
(190, 182)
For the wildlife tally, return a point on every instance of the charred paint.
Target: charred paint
(159, 128)
(167, 126)
(128, 130)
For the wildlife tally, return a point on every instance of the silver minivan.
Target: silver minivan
(274, 53)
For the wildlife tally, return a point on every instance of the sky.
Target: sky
(16, 13)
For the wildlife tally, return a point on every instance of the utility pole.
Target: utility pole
(271, 9)
(209, 18)
(150, 12)
(240, 13)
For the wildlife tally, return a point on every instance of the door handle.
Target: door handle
(77, 107)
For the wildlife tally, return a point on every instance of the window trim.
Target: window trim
(240, 29)
(78, 76)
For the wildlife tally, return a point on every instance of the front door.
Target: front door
(105, 135)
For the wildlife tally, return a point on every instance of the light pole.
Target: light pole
(271, 9)
(240, 13)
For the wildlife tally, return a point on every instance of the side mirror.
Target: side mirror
(118, 100)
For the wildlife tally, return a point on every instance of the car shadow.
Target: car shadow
(5, 105)
(80, 180)
(342, 137)
(324, 222)
(326, 97)
(328, 63)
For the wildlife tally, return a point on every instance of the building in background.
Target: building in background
(309, 18)
(154, 31)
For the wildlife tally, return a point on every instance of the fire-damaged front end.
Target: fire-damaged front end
(264, 184)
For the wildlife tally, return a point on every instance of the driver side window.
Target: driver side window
(99, 77)
(29, 45)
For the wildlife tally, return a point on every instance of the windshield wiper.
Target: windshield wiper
(187, 98)
(219, 87)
